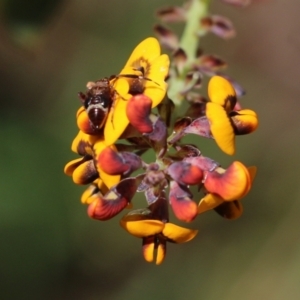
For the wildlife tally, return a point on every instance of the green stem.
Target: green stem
(189, 43)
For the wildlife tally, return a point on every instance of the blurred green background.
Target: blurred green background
(50, 249)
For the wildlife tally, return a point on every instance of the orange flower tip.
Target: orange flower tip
(231, 184)
(105, 208)
(111, 162)
(141, 228)
(185, 173)
(245, 121)
(221, 127)
(230, 210)
(85, 173)
(209, 202)
(180, 199)
(138, 110)
(178, 234)
(221, 91)
(184, 208)
(85, 125)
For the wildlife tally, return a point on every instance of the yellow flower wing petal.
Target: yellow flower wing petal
(178, 234)
(220, 90)
(209, 202)
(117, 120)
(142, 228)
(221, 127)
(86, 195)
(156, 89)
(147, 50)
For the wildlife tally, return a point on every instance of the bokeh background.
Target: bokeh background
(50, 249)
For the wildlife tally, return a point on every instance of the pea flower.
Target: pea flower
(126, 115)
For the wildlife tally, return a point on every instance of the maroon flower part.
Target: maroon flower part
(138, 111)
(114, 201)
(219, 25)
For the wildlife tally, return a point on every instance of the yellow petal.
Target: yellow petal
(86, 195)
(221, 127)
(85, 173)
(148, 248)
(178, 234)
(220, 90)
(156, 89)
(117, 120)
(245, 121)
(72, 165)
(160, 252)
(142, 228)
(147, 50)
(210, 201)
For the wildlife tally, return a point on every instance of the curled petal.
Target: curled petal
(209, 202)
(109, 180)
(210, 62)
(167, 37)
(138, 110)
(231, 184)
(159, 132)
(142, 228)
(183, 207)
(180, 59)
(230, 210)
(185, 173)
(85, 173)
(221, 127)
(111, 162)
(90, 191)
(71, 166)
(220, 26)
(204, 163)
(114, 201)
(83, 143)
(244, 121)
(172, 14)
(200, 126)
(105, 208)
(178, 234)
(221, 91)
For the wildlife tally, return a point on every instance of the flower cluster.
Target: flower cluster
(118, 124)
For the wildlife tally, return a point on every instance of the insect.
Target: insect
(101, 94)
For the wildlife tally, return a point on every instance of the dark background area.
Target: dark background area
(50, 249)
